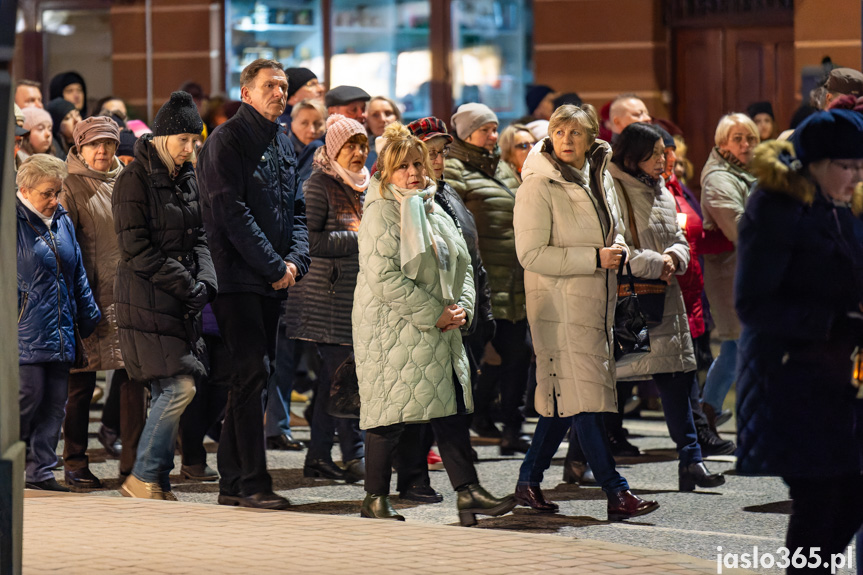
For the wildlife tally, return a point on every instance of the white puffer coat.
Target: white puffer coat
(570, 302)
(405, 364)
(658, 233)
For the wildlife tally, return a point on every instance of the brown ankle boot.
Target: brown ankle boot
(625, 505)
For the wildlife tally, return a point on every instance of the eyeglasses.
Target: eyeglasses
(433, 154)
(523, 146)
(49, 195)
(738, 139)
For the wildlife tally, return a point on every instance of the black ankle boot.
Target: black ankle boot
(711, 443)
(474, 500)
(697, 474)
(379, 507)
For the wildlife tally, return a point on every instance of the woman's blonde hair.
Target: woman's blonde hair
(681, 157)
(728, 121)
(584, 115)
(308, 104)
(40, 167)
(399, 142)
(507, 137)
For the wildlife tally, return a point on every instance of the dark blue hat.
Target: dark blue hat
(534, 96)
(831, 134)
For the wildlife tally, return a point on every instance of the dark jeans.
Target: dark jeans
(42, 397)
(675, 389)
(323, 424)
(125, 413)
(247, 323)
(208, 406)
(593, 438)
(277, 394)
(825, 513)
(453, 440)
(512, 344)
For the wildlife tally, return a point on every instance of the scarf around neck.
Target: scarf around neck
(359, 182)
(731, 159)
(46, 219)
(418, 236)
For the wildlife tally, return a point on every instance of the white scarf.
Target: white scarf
(417, 236)
(357, 181)
(47, 219)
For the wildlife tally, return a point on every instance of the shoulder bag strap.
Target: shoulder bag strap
(632, 227)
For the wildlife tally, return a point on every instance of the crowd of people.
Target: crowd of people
(460, 276)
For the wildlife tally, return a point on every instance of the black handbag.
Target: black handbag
(344, 400)
(651, 292)
(631, 335)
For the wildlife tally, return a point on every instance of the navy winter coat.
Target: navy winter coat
(253, 212)
(799, 274)
(163, 253)
(51, 299)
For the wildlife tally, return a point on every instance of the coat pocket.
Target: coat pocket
(22, 305)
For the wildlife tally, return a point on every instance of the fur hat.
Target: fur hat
(831, 134)
(470, 117)
(179, 115)
(339, 130)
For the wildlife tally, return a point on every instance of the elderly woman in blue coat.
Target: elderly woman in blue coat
(414, 293)
(798, 293)
(53, 298)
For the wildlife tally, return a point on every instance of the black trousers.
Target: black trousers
(248, 324)
(411, 459)
(125, 412)
(512, 344)
(826, 512)
(208, 405)
(453, 440)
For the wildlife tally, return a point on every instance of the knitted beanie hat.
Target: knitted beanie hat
(95, 128)
(339, 130)
(297, 78)
(179, 115)
(760, 108)
(59, 108)
(470, 117)
(35, 116)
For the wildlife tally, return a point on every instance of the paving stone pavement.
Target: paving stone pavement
(76, 534)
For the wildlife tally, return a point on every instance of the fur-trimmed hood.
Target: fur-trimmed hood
(778, 170)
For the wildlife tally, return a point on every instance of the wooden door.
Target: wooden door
(722, 70)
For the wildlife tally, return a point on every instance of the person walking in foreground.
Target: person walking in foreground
(255, 218)
(164, 279)
(569, 238)
(798, 293)
(54, 302)
(414, 293)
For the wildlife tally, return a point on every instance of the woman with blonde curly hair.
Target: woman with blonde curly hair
(414, 293)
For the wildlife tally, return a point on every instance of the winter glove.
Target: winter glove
(199, 297)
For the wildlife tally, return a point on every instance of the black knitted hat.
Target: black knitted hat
(179, 115)
(297, 78)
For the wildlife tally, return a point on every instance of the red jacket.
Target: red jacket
(692, 282)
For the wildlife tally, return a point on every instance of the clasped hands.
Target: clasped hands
(289, 279)
(453, 317)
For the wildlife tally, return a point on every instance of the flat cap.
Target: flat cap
(344, 95)
(845, 81)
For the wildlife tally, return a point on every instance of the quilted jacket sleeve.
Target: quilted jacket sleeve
(721, 197)
(323, 242)
(299, 251)
(380, 243)
(467, 300)
(130, 202)
(645, 263)
(532, 221)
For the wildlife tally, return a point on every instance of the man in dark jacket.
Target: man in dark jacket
(255, 220)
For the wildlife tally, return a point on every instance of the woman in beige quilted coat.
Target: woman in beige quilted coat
(660, 251)
(93, 168)
(569, 239)
(414, 293)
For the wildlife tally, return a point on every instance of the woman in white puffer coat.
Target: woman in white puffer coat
(569, 239)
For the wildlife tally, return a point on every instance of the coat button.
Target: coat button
(189, 231)
(179, 258)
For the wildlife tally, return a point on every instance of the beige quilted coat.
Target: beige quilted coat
(405, 364)
(570, 302)
(658, 232)
(87, 198)
(724, 190)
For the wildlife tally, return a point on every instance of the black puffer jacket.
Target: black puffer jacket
(253, 212)
(453, 205)
(319, 308)
(163, 253)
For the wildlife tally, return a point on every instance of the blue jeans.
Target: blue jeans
(42, 399)
(594, 442)
(721, 375)
(324, 425)
(170, 396)
(674, 389)
(277, 395)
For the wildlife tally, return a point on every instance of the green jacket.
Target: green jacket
(405, 364)
(488, 187)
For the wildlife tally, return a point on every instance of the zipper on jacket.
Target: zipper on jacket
(59, 303)
(23, 305)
